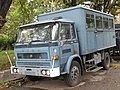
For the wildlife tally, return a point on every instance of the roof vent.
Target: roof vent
(56, 18)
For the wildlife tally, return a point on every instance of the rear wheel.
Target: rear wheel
(33, 78)
(106, 61)
(73, 78)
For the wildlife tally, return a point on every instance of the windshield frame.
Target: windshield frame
(54, 25)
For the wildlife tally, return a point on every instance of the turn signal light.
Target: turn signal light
(75, 51)
(55, 57)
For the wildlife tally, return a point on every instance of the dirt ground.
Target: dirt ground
(101, 80)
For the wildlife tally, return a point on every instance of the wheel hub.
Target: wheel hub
(74, 73)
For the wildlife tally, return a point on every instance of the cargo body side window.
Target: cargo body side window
(65, 32)
(110, 24)
(99, 23)
(105, 23)
(90, 21)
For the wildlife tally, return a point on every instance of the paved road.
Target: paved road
(101, 80)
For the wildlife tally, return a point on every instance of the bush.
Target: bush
(6, 42)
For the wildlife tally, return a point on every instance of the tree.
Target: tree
(4, 7)
(107, 6)
(25, 11)
(70, 3)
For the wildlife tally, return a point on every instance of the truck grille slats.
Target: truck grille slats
(34, 64)
(32, 56)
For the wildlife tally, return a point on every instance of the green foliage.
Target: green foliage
(5, 42)
(4, 63)
(68, 3)
(108, 6)
(21, 12)
(12, 83)
(26, 11)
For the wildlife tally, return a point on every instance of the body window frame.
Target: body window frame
(73, 30)
(105, 23)
(61, 29)
(90, 21)
(99, 23)
(110, 24)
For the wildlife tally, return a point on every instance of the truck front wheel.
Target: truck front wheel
(73, 78)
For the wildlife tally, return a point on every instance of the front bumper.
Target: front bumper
(44, 72)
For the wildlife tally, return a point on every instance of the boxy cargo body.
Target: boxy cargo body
(90, 39)
(65, 42)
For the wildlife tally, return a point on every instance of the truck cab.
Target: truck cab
(43, 48)
(61, 43)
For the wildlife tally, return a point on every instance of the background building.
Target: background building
(117, 19)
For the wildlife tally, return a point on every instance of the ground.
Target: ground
(101, 80)
(4, 62)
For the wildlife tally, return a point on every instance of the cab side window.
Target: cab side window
(65, 32)
(73, 31)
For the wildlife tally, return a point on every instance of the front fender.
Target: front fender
(71, 58)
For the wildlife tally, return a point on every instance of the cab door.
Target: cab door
(66, 42)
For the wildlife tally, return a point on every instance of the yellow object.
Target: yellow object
(75, 51)
(55, 57)
(115, 65)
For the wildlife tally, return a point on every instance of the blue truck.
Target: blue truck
(65, 43)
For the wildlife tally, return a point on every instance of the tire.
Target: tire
(33, 78)
(73, 78)
(106, 61)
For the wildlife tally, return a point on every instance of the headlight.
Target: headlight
(16, 70)
(48, 72)
(45, 72)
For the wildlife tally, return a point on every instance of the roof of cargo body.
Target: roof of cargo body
(76, 7)
(47, 21)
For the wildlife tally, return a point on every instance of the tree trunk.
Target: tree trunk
(4, 7)
(74, 2)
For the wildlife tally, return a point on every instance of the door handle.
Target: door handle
(95, 31)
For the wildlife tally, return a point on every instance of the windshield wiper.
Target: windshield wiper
(35, 41)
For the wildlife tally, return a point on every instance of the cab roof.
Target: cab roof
(47, 21)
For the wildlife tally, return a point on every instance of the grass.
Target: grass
(14, 83)
(4, 65)
(4, 62)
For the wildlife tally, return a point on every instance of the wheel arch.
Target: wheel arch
(70, 60)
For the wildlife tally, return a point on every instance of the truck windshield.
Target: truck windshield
(41, 33)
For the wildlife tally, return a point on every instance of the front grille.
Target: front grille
(34, 64)
(32, 55)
